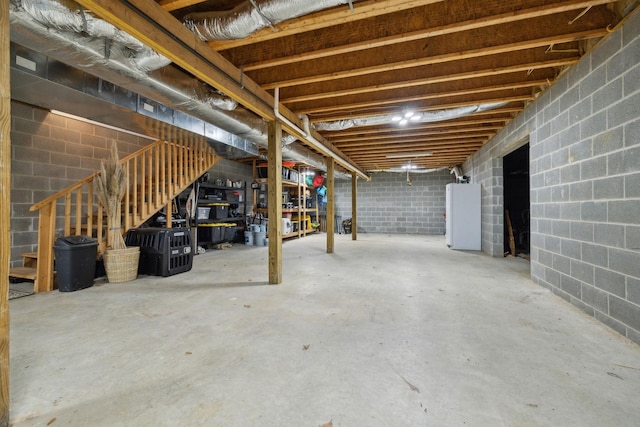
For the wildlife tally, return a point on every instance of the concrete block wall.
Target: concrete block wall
(50, 152)
(387, 204)
(584, 136)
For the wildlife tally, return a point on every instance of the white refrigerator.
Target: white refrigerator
(463, 217)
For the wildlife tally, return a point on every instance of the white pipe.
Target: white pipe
(395, 170)
(419, 117)
(316, 144)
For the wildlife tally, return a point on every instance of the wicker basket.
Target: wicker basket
(121, 265)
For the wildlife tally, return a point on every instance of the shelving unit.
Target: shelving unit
(221, 211)
(303, 209)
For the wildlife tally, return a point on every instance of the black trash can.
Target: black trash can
(75, 262)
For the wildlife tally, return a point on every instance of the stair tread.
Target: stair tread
(23, 272)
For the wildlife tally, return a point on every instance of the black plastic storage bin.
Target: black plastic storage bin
(75, 262)
(163, 251)
(219, 211)
(230, 233)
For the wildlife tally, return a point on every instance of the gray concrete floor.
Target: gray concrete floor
(388, 331)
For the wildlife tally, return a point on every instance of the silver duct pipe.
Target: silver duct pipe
(108, 60)
(47, 31)
(60, 17)
(408, 117)
(251, 16)
(395, 170)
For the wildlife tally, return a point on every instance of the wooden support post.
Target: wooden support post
(330, 205)
(274, 202)
(5, 218)
(354, 207)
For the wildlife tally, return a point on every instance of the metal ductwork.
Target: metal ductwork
(53, 29)
(251, 16)
(407, 117)
(409, 170)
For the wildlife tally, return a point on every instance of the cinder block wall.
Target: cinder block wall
(51, 152)
(387, 204)
(584, 138)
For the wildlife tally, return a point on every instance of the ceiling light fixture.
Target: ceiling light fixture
(404, 155)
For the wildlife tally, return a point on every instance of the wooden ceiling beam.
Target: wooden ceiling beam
(384, 138)
(473, 120)
(431, 60)
(418, 146)
(156, 28)
(440, 79)
(346, 116)
(323, 19)
(171, 5)
(433, 162)
(170, 38)
(451, 28)
(392, 139)
(439, 73)
(436, 155)
(412, 99)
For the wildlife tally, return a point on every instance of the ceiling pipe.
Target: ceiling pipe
(403, 170)
(167, 85)
(251, 16)
(413, 117)
(308, 135)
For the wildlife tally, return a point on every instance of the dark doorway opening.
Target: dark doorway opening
(516, 201)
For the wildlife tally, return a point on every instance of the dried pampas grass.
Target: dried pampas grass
(110, 187)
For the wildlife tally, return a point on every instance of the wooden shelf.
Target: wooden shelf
(285, 182)
(302, 233)
(296, 190)
(302, 211)
(204, 226)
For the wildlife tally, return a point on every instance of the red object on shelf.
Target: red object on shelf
(318, 180)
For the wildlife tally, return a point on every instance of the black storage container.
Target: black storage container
(230, 233)
(163, 251)
(219, 211)
(216, 233)
(210, 234)
(75, 263)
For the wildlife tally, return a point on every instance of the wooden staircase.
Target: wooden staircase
(156, 174)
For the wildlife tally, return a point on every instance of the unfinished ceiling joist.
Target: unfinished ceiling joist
(153, 26)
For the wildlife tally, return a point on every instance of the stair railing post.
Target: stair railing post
(46, 236)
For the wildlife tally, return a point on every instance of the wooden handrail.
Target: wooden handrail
(156, 174)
